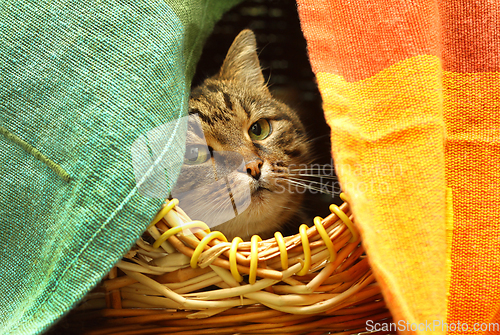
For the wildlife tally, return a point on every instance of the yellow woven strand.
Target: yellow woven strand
(344, 197)
(324, 235)
(283, 253)
(254, 258)
(307, 250)
(171, 204)
(176, 230)
(255, 240)
(233, 266)
(203, 243)
(354, 232)
(155, 233)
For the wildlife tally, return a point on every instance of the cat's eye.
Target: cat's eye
(196, 154)
(260, 130)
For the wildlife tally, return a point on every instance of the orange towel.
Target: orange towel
(411, 91)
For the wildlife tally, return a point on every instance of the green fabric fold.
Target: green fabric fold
(80, 82)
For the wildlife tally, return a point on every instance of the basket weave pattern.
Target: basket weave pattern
(301, 284)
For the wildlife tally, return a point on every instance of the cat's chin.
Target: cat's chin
(267, 213)
(260, 193)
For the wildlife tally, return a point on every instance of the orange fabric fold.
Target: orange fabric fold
(411, 91)
(388, 146)
(357, 39)
(472, 114)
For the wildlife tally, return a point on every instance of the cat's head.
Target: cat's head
(240, 143)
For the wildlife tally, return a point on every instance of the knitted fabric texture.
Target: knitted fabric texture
(411, 91)
(81, 81)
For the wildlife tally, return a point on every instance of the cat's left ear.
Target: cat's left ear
(242, 63)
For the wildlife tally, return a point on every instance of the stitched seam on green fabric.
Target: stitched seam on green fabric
(120, 207)
(130, 195)
(36, 153)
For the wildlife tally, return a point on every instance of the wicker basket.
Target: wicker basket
(191, 281)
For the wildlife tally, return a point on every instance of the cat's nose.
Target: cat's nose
(253, 168)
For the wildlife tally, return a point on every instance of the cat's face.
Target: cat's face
(240, 143)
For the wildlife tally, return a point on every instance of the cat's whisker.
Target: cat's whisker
(317, 138)
(306, 170)
(308, 187)
(312, 169)
(313, 175)
(315, 171)
(308, 181)
(217, 207)
(322, 189)
(312, 188)
(298, 179)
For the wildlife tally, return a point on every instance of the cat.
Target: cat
(240, 145)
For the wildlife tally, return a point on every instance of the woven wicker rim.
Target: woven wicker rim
(318, 279)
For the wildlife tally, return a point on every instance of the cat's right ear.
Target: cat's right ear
(242, 63)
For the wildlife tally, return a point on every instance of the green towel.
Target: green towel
(80, 83)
